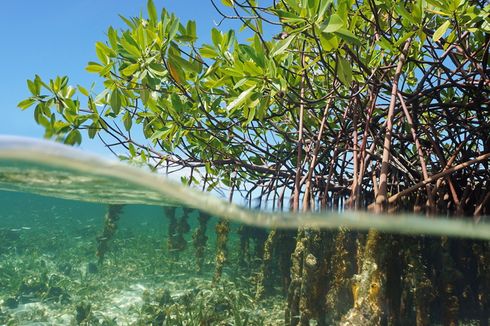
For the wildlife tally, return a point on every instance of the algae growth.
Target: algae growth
(72, 263)
(52, 271)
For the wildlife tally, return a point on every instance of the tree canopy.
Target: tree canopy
(355, 100)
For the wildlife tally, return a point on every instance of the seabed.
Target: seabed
(50, 274)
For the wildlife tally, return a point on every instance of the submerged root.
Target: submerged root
(177, 228)
(200, 239)
(368, 286)
(307, 287)
(313, 280)
(482, 252)
(419, 283)
(244, 233)
(110, 227)
(265, 275)
(294, 291)
(339, 297)
(222, 232)
(449, 278)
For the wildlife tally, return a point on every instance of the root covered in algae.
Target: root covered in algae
(264, 278)
(340, 269)
(276, 262)
(244, 253)
(418, 282)
(252, 242)
(306, 290)
(199, 239)
(450, 277)
(368, 287)
(222, 233)
(177, 228)
(481, 251)
(294, 290)
(110, 226)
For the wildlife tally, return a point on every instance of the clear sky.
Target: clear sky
(56, 37)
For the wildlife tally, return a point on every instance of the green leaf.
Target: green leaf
(26, 103)
(128, 22)
(207, 51)
(116, 101)
(94, 67)
(92, 130)
(348, 36)
(130, 70)
(106, 69)
(329, 42)
(241, 82)
(69, 92)
(228, 3)
(112, 34)
(126, 43)
(333, 24)
(83, 90)
(34, 87)
(344, 71)
(103, 52)
(127, 121)
(385, 44)
(152, 12)
(227, 39)
(441, 30)
(173, 28)
(293, 4)
(400, 9)
(216, 37)
(132, 150)
(251, 114)
(281, 45)
(186, 65)
(322, 9)
(289, 17)
(38, 112)
(240, 99)
(191, 30)
(73, 138)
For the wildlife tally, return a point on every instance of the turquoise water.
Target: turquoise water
(49, 268)
(91, 242)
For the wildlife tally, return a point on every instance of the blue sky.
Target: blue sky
(55, 37)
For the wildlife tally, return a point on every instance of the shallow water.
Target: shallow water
(49, 268)
(55, 202)
(51, 169)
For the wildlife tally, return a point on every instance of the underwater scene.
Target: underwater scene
(68, 262)
(85, 241)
